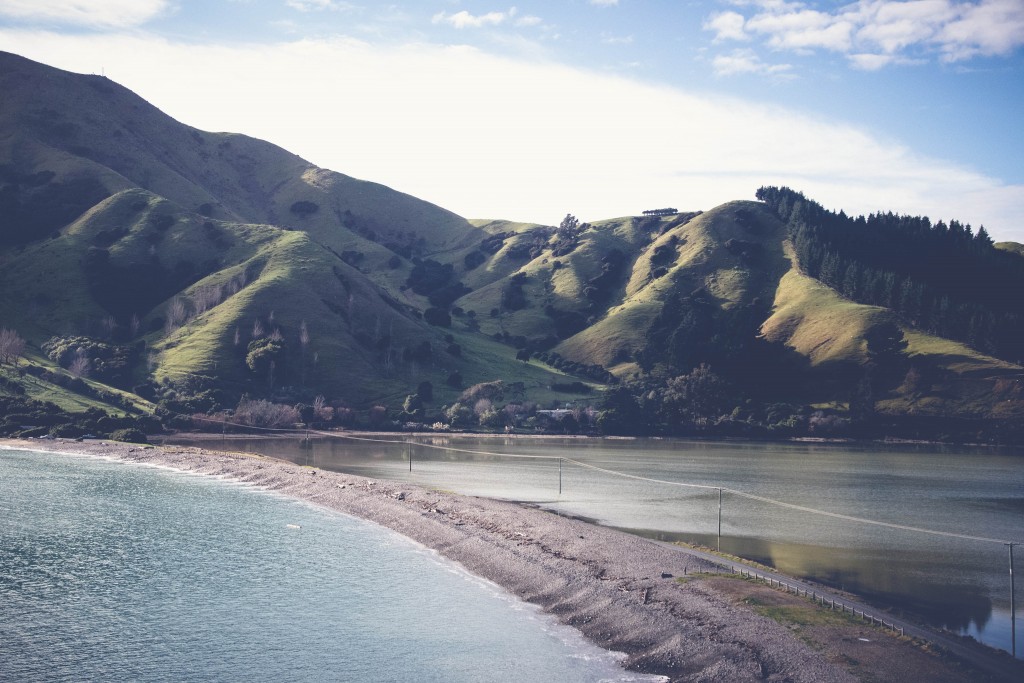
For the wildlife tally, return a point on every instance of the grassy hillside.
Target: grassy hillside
(950, 377)
(1012, 247)
(195, 268)
(732, 252)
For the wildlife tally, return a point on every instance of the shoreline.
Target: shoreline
(200, 437)
(619, 590)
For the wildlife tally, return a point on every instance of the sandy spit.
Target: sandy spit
(619, 590)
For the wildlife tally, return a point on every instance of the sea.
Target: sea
(934, 550)
(122, 572)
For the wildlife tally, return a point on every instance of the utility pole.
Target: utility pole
(719, 520)
(1013, 606)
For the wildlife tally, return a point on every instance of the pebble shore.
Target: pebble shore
(621, 591)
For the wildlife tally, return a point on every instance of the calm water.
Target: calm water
(951, 583)
(112, 572)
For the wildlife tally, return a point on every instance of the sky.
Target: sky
(600, 108)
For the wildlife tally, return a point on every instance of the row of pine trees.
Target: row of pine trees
(941, 278)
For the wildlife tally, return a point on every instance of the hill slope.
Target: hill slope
(180, 263)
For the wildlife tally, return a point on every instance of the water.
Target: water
(956, 584)
(113, 572)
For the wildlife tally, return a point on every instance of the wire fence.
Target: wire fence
(624, 475)
(745, 571)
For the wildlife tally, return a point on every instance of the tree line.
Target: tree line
(942, 278)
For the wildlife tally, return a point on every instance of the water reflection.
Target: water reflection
(952, 583)
(869, 574)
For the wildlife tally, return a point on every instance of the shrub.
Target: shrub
(474, 259)
(571, 387)
(260, 413)
(130, 435)
(304, 208)
(438, 317)
(261, 352)
(67, 431)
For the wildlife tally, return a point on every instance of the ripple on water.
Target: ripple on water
(119, 573)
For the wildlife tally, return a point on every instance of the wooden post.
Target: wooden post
(1013, 606)
(719, 520)
(559, 476)
(408, 447)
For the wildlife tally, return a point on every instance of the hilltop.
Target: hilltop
(153, 266)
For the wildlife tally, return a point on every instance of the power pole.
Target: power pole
(719, 520)
(1013, 606)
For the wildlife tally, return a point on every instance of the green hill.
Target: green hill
(192, 268)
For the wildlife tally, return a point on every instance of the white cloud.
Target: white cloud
(492, 137)
(893, 26)
(993, 27)
(529, 20)
(609, 39)
(802, 29)
(318, 5)
(870, 62)
(604, 3)
(868, 31)
(727, 26)
(96, 13)
(464, 19)
(746, 62)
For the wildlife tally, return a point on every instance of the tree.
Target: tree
(620, 413)
(304, 344)
(458, 414)
(176, 315)
(304, 208)
(413, 406)
(80, 366)
(11, 346)
(259, 413)
(887, 360)
(262, 353)
(569, 228)
(695, 397)
(886, 342)
(438, 317)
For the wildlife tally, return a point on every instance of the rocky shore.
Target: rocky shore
(645, 599)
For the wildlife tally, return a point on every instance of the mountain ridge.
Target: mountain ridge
(226, 264)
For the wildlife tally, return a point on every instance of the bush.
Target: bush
(67, 431)
(474, 259)
(304, 208)
(438, 317)
(130, 435)
(259, 413)
(571, 387)
(261, 352)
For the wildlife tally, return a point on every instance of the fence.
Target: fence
(831, 603)
(722, 490)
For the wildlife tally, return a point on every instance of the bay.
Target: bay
(115, 572)
(952, 583)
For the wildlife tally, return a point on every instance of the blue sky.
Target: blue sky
(599, 107)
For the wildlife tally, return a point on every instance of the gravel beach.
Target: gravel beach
(621, 591)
